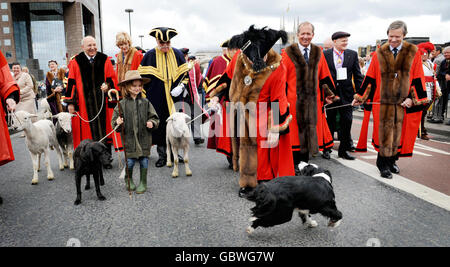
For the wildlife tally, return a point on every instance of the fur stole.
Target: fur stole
(307, 84)
(61, 75)
(124, 66)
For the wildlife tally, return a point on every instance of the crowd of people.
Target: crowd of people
(310, 92)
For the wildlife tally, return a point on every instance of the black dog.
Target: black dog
(310, 193)
(89, 157)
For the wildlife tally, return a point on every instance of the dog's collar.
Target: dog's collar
(324, 176)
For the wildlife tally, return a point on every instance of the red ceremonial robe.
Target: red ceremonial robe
(219, 139)
(271, 83)
(387, 84)
(84, 92)
(215, 71)
(8, 86)
(312, 132)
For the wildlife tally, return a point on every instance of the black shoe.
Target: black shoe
(326, 154)
(386, 174)
(161, 163)
(108, 167)
(1, 201)
(199, 141)
(346, 155)
(395, 169)
(436, 121)
(244, 191)
(352, 149)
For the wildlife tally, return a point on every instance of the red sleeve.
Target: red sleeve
(418, 90)
(281, 117)
(325, 79)
(71, 84)
(137, 59)
(110, 74)
(369, 84)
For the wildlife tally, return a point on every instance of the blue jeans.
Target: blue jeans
(143, 161)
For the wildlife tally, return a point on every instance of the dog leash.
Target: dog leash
(347, 105)
(219, 111)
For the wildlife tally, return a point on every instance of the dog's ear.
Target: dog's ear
(266, 202)
(86, 153)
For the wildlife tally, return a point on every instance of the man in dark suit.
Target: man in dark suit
(345, 70)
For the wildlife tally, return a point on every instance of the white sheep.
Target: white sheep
(177, 137)
(40, 137)
(64, 137)
(44, 111)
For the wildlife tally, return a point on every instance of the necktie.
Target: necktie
(306, 56)
(395, 52)
(91, 60)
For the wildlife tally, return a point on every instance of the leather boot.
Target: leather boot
(132, 187)
(142, 188)
(384, 167)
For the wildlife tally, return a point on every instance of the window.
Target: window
(5, 18)
(8, 42)
(8, 55)
(6, 30)
(4, 5)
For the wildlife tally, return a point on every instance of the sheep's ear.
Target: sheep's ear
(170, 118)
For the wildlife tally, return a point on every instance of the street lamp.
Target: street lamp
(129, 11)
(141, 36)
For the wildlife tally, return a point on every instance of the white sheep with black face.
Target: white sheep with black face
(178, 135)
(40, 138)
(65, 138)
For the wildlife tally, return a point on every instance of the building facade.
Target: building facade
(34, 32)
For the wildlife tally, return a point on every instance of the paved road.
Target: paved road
(203, 210)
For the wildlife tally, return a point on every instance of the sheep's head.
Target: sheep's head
(65, 121)
(22, 120)
(179, 124)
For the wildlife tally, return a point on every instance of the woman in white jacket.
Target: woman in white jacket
(27, 95)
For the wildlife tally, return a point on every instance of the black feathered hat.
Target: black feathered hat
(225, 44)
(163, 34)
(256, 43)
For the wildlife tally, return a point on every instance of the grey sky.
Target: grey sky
(203, 25)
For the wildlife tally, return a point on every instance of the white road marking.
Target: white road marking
(370, 157)
(431, 149)
(425, 193)
(369, 144)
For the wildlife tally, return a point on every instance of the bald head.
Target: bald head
(89, 46)
(328, 43)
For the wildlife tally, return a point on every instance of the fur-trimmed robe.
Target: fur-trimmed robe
(308, 86)
(132, 61)
(390, 82)
(54, 99)
(84, 92)
(269, 86)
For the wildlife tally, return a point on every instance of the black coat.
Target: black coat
(344, 88)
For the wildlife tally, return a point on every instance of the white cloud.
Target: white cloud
(204, 25)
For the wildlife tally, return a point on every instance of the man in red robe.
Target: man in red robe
(310, 86)
(395, 84)
(221, 71)
(91, 76)
(258, 95)
(9, 95)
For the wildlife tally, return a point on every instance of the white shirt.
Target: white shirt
(302, 49)
(398, 48)
(88, 57)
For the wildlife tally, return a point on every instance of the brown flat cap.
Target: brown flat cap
(338, 35)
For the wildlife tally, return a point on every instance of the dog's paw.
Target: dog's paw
(312, 224)
(77, 202)
(101, 198)
(332, 224)
(250, 230)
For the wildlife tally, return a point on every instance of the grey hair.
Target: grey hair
(446, 49)
(398, 25)
(89, 36)
(305, 24)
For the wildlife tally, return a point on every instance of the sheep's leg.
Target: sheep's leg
(70, 152)
(175, 172)
(50, 175)
(61, 158)
(186, 161)
(38, 162)
(35, 160)
(65, 153)
(169, 153)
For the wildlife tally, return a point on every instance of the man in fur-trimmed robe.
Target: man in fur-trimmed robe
(395, 84)
(91, 75)
(259, 84)
(166, 67)
(310, 86)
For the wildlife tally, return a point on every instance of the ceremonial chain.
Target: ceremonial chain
(248, 79)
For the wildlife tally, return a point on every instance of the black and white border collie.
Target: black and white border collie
(309, 193)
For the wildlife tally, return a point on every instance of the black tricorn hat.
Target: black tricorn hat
(185, 51)
(338, 35)
(225, 44)
(163, 34)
